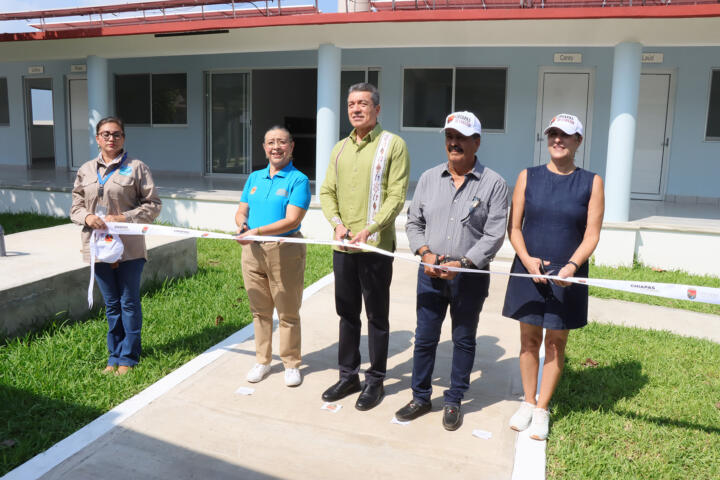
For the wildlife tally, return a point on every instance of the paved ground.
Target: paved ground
(202, 429)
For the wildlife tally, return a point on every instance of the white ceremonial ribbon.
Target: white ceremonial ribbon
(666, 290)
(92, 270)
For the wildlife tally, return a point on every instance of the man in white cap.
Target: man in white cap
(457, 219)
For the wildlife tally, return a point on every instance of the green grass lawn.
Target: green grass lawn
(649, 410)
(50, 384)
(20, 222)
(647, 274)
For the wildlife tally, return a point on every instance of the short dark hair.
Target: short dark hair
(366, 87)
(105, 120)
(279, 127)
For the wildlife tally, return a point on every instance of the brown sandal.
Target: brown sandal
(122, 370)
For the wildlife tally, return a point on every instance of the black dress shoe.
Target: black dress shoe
(412, 410)
(371, 395)
(452, 417)
(343, 388)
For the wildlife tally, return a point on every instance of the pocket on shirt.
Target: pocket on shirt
(475, 215)
(87, 181)
(123, 181)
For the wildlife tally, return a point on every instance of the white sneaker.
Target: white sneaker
(521, 419)
(258, 372)
(292, 377)
(540, 424)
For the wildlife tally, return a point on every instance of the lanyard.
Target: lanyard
(108, 173)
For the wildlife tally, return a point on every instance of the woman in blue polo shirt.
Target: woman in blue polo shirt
(274, 202)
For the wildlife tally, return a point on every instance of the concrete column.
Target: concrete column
(627, 64)
(328, 108)
(99, 94)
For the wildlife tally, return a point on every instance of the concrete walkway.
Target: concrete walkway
(197, 426)
(201, 428)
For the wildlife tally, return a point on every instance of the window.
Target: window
(429, 94)
(132, 98)
(347, 79)
(169, 99)
(712, 131)
(41, 106)
(157, 99)
(4, 104)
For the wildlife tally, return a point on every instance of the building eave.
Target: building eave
(686, 25)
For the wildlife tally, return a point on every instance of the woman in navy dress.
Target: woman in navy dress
(555, 220)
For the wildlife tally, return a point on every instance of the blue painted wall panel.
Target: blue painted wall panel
(693, 167)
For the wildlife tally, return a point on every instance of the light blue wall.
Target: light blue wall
(182, 148)
(694, 167)
(508, 152)
(694, 163)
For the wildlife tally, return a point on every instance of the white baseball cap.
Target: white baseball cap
(464, 122)
(569, 124)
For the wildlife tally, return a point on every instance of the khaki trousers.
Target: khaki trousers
(274, 273)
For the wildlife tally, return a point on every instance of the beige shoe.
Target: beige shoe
(123, 369)
(108, 370)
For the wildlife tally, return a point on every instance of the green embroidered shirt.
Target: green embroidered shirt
(345, 193)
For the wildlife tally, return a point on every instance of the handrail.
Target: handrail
(120, 8)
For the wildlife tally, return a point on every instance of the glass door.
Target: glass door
(228, 123)
(40, 123)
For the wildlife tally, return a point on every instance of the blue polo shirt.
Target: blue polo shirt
(268, 197)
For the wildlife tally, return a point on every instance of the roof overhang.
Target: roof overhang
(696, 25)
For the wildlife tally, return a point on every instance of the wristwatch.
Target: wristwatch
(466, 263)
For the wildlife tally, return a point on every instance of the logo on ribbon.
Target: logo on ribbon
(691, 293)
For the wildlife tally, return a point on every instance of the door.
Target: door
(563, 92)
(287, 97)
(39, 122)
(78, 130)
(652, 137)
(228, 123)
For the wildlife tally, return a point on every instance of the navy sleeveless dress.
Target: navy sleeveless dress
(553, 227)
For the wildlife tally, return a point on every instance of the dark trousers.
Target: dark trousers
(120, 288)
(361, 276)
(465, 294)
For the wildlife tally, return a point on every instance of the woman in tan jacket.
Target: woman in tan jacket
(114, 187)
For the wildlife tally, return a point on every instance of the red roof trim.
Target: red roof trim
(668, 11)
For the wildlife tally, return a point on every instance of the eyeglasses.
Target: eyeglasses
(115, 135)
(279, 143)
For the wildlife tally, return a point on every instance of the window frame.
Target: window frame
(7, 101)
(452, 96)
(706, 138)
(152, 124)
(343, 94)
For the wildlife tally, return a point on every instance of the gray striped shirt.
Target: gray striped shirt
(469, 221)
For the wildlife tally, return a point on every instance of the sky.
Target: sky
(32, 5)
